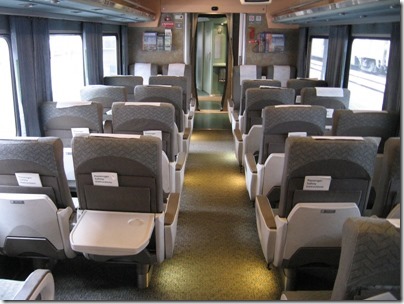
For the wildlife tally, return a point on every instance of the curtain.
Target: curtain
(194, 25)
(31, 58)
(392, 93)
(92, 43)
(301, 65)
(124, 50)
(337, 50)
(229, 63)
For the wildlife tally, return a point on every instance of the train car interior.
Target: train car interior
(187, 150)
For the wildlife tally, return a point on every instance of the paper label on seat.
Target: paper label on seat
(135, 103)
(317, 183)
(28, 179)
(330, 112)
(297, 134)
(80, 131)
(107, 179)
(155, 133)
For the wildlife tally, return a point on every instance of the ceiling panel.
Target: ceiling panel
(89, 10)
(345, 12)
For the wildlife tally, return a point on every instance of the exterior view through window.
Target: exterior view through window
(66, 67)
(367, 74)
(7, 115)
(110, 55)
(318, 58)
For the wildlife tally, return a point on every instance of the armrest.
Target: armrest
(180, 161)
(234, 114)
(307, 295)
(108, 126)
(173, 202)
(39, 282)
(250, 162)
(266, 211)
(187, 132)
(238, 134)
(230, 102)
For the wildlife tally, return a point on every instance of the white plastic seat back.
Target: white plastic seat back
(38, 286)
(34, 191)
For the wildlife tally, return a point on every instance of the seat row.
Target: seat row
(306, 185)
(122, 88)
(119, 182)
(252, 76)
(157, 108)
(260, 151)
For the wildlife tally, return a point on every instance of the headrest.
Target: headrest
(176, 69)
(329, 92)
(143, 70)
(247, 72)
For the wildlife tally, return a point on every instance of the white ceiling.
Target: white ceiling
(89, 10)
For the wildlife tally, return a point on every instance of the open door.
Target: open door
(213, 59)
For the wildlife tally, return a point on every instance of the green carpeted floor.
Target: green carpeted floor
(217, 254)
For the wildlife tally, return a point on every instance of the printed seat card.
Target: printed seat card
(330, 113)
(107, 179)
(297, 134)
(28, 179)
(317, 183)
(80, 131)
(155, 133)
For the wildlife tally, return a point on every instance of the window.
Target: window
(318, 57)
(367, 73)
(110, 55)
(66, 67)
(7, 114)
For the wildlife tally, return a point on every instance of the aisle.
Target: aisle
(217, 254)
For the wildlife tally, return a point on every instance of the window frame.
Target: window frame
(14, 93)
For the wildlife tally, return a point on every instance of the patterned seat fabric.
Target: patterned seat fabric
(366, 123)
(58, 119)
(127, 81)
(161, 94)
(44, 195)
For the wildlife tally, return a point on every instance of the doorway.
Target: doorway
(211, 61)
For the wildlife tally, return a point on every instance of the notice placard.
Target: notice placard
(107, 179)
(155, 133)
(28, 179)
(80, 131)
(317, 183)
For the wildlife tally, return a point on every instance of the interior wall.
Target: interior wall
(287, 57)
(135, 47)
